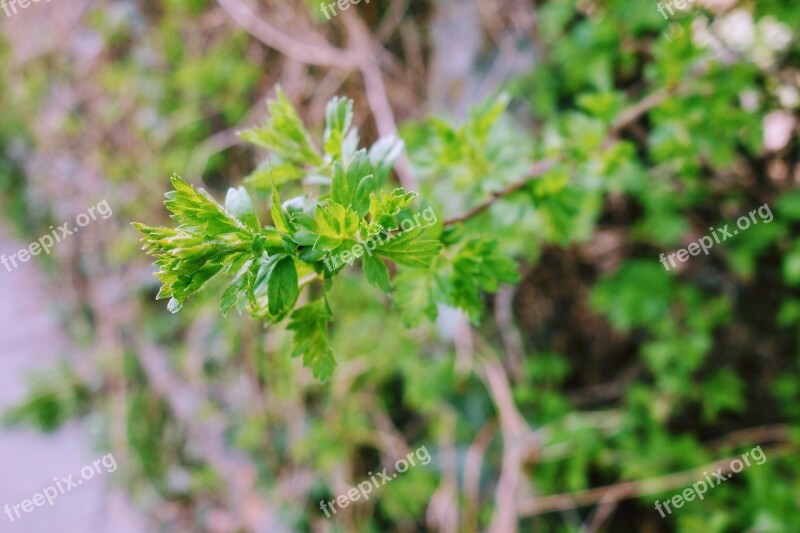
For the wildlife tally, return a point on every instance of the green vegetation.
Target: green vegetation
(529, 338)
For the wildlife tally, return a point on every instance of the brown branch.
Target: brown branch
(509, 333)
(184, 403)
(631, 114)
(747, 435)
(472, 474)
(632, 489)
(601, 514)
(537, 170)
(312, 54)
(359, 56)
(627, 117)
(377, 97)
(520, 443)
(443, 510)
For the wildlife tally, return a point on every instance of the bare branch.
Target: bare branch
(312, 54)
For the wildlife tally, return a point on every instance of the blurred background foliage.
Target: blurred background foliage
(598, 368)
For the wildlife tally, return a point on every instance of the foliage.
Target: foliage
(309, 232)
(624, 371)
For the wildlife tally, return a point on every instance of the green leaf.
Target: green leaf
(351, 186)
(362, 195)
(310, 324)
(338, 119)
(330, 225)
(277, 213)
(196, 209)
(603, 105)
(282, 289)
(382, 156)
(483, 117)
(274, 172)
(208, 241)
(477, 266)
(415, 294)
(383, 209)
(284, 134)
(638, 294)
(240, 205)
(408, 249)
(791, 265)
(377, 274)
(788, 206)
(240, 292)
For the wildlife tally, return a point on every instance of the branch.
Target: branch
(473, 460)
(633, 489)
(312, 54)
(359, 57)
(520, 443)
(375, 89)
(537, 170)
(309, 279)
(631, 114)
(625, 118)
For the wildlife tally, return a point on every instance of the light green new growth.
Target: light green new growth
(269, 265)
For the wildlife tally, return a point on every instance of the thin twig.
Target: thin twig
(537, 170)
(520, 443)
(472, 474)
(443, 510)
(509, 333)
(359, 57)
(625, 118)
(375, 89)
(633, 489)
(308, 279)
(312, 54)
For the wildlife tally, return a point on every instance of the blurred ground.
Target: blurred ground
(28, 457)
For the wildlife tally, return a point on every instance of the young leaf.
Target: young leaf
(377, 274)
(477, 266)
(383, 209)
(351, 186)
(483, 117)
(196, 209)
(338, 118)
(338, 115)
(382, 156)
(240, 291)
(408, 249)
(284, 134)
(309, 324)
(282, 289)
(208, 241)
(330, 225)
(362, 195)
(277, 213)
(240, 205)
(274, 172)
(415, 294)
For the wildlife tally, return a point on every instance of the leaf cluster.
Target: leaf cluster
(344, 210)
